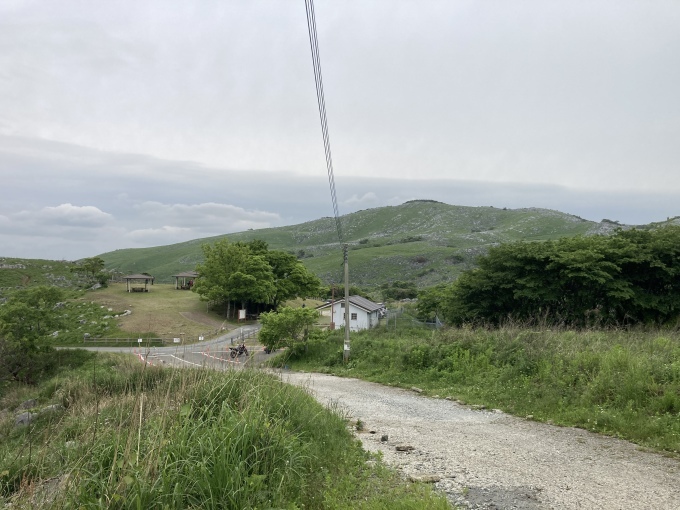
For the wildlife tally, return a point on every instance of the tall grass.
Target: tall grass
(131, 436)
(618, 382)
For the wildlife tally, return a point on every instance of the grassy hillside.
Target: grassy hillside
(108, 432)
(424, 241)
(27, 272)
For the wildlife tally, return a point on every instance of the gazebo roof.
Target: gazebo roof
(186, 274)
(138, 277)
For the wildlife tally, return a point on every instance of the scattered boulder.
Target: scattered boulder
(24, 419)
(417, 390)
(425, 478)
(404, 448)
(384, 437)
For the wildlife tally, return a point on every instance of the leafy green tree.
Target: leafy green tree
(93, 265)
(291, 278)
(289, 327)
(253, 282)
(430, 302)
(222, 261)
(93, 269)
(251, 273)
(627, 278)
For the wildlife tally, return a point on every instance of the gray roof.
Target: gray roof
(358, 301)
(138, 277)
(186, 274)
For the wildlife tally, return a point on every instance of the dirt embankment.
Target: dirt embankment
(488, 459)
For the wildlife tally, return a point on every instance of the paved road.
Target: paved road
(213, 353)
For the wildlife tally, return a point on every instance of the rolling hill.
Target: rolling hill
(423, 241)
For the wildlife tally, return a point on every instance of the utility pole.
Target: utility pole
(332, 326)
(345, 351)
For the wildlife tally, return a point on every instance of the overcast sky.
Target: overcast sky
(128, 124)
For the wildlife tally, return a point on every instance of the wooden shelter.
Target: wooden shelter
(187, 280)
(134, 282)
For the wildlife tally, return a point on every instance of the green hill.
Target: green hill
(423, 241)
(19, 272)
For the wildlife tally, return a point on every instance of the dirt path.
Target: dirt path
(491, 460)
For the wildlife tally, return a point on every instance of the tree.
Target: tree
(286, 328)
(216, 281)
(92, 268)
(430, 302)
(251, 273)
(254, 281)
(627, 278)
(93, 265)
(291, 278)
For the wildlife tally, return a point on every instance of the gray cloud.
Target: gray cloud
(178, 119)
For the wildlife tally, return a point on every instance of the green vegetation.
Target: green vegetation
(25, 319)
(122, 435)
(628, 278)
(162, 312)
(398, 290)
(249, 273)
(619, 382)
(288, 327)
(422, 241)
(16, 274)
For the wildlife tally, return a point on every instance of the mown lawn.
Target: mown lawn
(164, 310)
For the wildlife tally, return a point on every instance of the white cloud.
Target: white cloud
(366, 198)
(160, 236)
(207, 217)
(87, 216)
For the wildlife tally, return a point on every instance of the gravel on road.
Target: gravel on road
(486, 459)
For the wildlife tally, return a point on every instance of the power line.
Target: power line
(316, 61)
(318, 80)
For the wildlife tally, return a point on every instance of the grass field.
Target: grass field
(166, 312)
(163, 311)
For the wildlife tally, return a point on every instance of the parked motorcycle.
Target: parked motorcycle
(238, 350)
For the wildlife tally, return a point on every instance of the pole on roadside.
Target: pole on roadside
(345, 350)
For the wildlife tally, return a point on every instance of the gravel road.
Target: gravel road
(489, 460)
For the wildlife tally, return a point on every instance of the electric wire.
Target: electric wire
(318, 81)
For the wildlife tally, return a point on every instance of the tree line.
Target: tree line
(630, 277)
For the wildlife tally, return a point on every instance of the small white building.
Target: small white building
(363, 313)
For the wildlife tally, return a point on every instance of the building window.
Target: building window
(342, 305)
(354, 316)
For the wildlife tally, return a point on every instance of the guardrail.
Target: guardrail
(135, 341)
